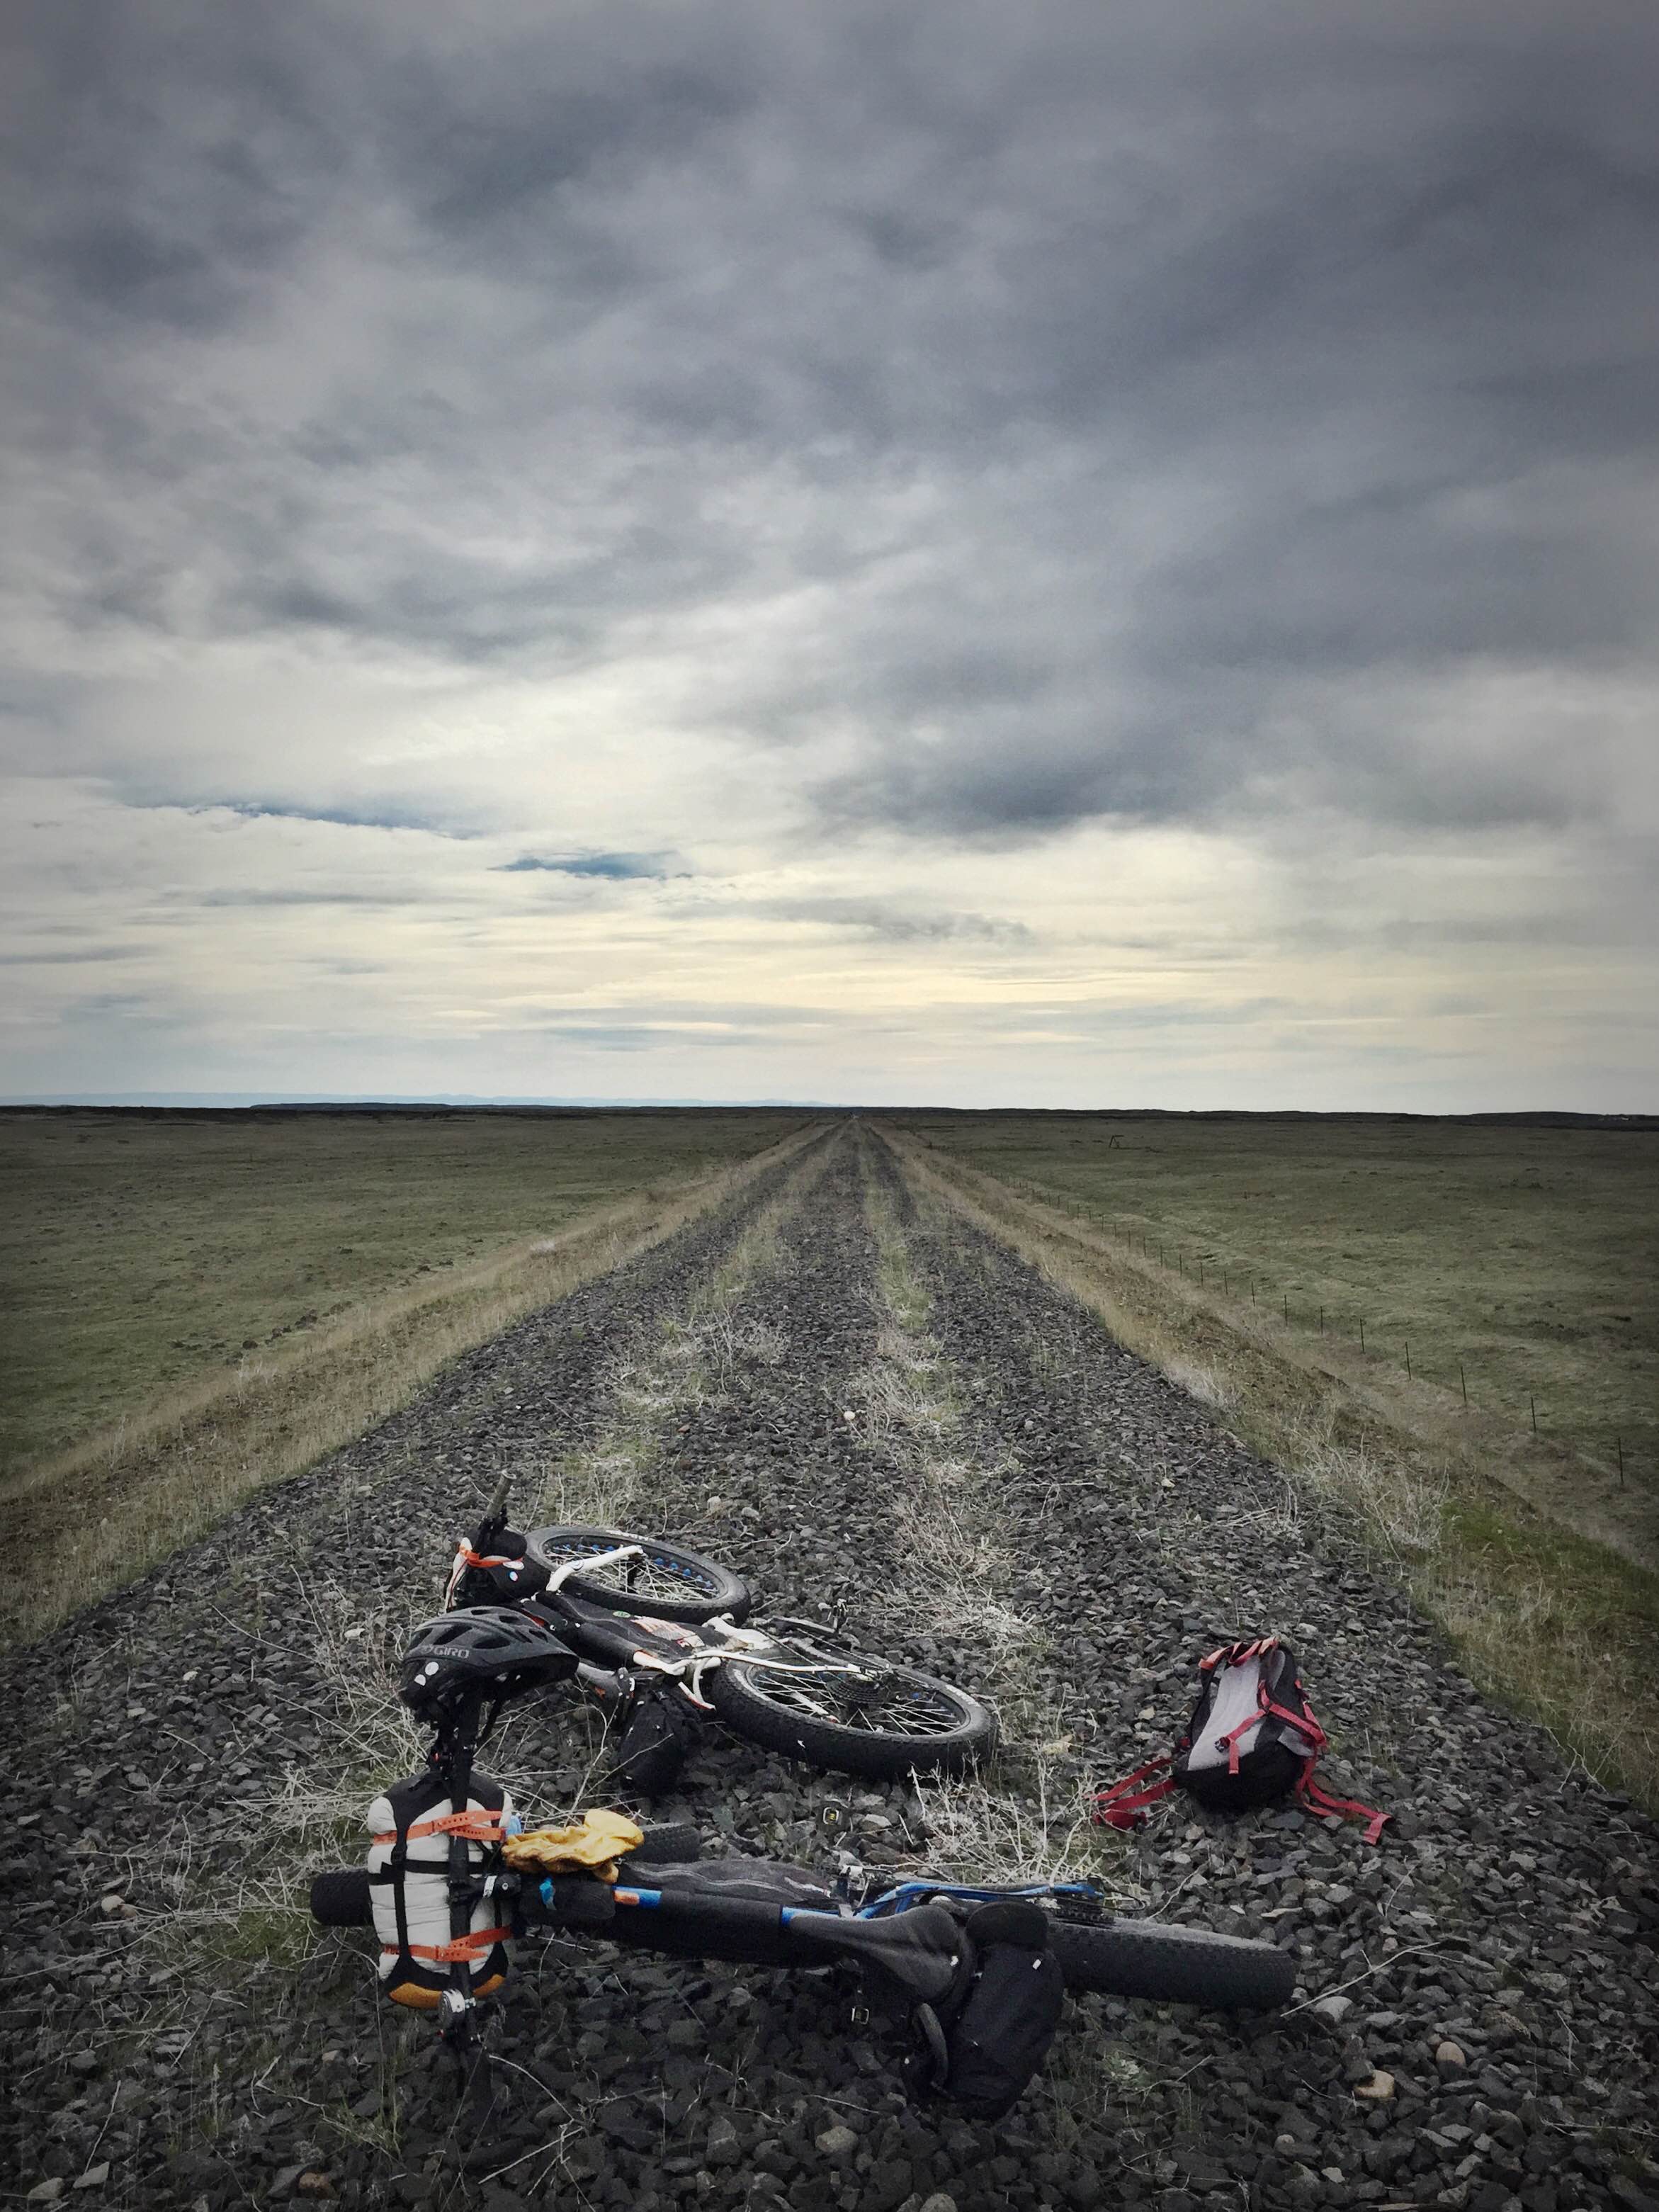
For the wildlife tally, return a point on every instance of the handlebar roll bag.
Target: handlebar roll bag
(412, 1825)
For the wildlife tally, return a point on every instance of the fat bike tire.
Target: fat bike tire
(669, 1583)
(1180, 1966)
(925, 1727)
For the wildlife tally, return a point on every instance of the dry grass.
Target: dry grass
(1206, 1384)
(1554, 1621)
(86, 1524)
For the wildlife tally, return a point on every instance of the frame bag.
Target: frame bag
(1252, 1738)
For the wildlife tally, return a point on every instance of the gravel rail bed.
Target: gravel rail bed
(163, 2055)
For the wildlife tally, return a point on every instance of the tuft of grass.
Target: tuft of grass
(1562, 1626)
(1206, 1384)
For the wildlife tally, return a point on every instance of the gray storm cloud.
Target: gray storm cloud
(987, 422)
(1220, 358)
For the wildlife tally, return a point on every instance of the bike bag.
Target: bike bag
(654, 1746)
(1252, 1737)
(981, 2044)
(502, 1574)
(409, 1887)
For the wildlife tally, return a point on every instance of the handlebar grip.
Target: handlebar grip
(340, 1899)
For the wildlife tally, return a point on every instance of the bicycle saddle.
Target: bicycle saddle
(920, 1956)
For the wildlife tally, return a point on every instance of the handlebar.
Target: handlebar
(674, 1916)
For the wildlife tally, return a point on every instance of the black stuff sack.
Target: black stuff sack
(981, 2045)
(1252, 1738)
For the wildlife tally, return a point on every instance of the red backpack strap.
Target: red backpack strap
(1124, 1805)
(1348, 1808)
(1309, 1792)
(1304, 1722)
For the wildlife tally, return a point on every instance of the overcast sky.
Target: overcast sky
(1076, 552)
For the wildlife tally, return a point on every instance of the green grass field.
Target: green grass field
(141, 1253)
(1529, 1255)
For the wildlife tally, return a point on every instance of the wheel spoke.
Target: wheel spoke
(920, 1712)
(641, 1578)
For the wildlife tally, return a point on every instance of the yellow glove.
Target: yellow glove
(597, 1843)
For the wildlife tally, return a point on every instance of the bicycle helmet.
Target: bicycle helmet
(491, 1649)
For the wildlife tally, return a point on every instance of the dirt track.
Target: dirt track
(1014, 1502)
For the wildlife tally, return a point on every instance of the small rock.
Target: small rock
(938, 2201)
(1377, 2089)
(47, 2191)
(1334, 2009)
(313, 2183)
(723, 2147)
(837, 2142)
(95, 2176)
(1449, 2054)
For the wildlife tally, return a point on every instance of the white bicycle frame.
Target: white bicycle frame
(746, 1644)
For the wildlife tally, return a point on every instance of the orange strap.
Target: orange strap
(482, 1826)
(464, 1947)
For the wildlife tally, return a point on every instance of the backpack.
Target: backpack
(1252, 1737)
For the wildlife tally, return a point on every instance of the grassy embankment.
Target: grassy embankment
(195, 1305)
(1526, 1253)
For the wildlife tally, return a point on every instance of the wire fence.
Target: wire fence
(1633, 1439)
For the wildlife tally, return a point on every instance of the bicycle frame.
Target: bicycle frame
(908, 1894)
(751, 1645)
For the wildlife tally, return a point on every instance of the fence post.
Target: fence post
(1533, 1402)
(1321, 1321)
(1408, 1356)
(1618, 1446)
(1287, 1313)
(1464, 1379)
(1361, 1336)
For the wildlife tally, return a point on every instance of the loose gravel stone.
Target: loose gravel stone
(1512, 1907)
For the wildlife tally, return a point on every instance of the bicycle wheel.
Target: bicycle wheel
(1184, 1966)
(663, 1579)
(883, 1722)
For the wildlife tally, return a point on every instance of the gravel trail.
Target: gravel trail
(886, 1410)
